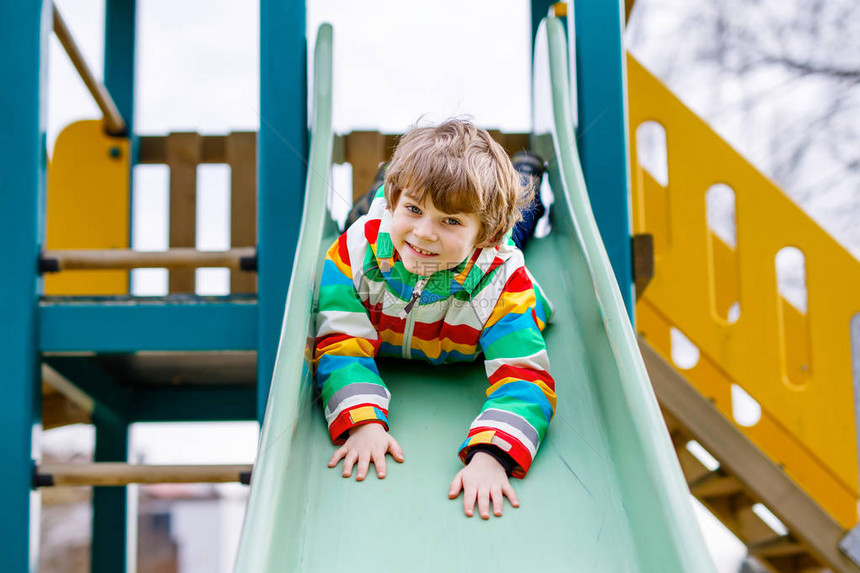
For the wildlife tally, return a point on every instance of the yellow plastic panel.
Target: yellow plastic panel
(776, 441)
(796, 366)
(88, 205)
(724, 276)
(794, 330)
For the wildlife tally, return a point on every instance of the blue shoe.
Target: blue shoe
(531, 168)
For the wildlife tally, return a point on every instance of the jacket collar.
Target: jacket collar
(469, 275)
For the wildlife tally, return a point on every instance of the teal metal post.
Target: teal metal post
(119, 75)
(602, 131)
(24, 30)
(119, 56)
(110, 528)
(110, 506)
(283, 152)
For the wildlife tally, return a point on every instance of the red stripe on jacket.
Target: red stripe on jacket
(519, 281)
(458, 334)
(343, 250)
(371, 230)
(528, 374)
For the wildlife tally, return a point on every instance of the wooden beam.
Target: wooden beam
(724, 508)
(119, 474)
(183, 157)
(779, 547)
(58, 411)
(755, 530)
(61, 385)
(693, 469)
(104, 259)
(810, 524)
(114, 123)
(715, 484)
(152, 149)
(242, 157)
(512, 142)
(365, 150)
(63, 403)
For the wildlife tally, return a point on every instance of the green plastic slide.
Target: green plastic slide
(605, 493)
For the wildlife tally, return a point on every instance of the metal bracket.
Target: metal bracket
(48, 264)
(40, 479)
(249, 264)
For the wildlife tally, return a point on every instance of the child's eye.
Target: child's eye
(451, 221)
(413, 209)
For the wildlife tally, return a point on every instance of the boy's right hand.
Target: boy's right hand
(366, 443)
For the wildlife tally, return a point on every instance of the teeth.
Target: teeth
(422, 251)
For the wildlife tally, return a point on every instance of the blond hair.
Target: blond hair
(463, 170)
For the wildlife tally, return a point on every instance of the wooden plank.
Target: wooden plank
(715, 484)
(213, 149)
(779, 547)
(114, 122)
(62, 402)
(672, 423)
(241, 152)
(809, 524)
(183, 157)
(724, 508)
(102, 259)
(693, 469)
(761, 565)
(57, 411)
(152, 149)
(756, 531)
(391, 141)
(802, 563)
(512, 142)
(114, 474)
(364, 150)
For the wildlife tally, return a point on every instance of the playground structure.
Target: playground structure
(186, 357)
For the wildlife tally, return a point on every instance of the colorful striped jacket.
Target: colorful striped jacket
(489, 303)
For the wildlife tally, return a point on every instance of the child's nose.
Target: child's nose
(425, 229)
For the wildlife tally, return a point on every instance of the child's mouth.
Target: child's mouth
(419, 251)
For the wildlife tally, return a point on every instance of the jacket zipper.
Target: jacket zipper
(411, 316)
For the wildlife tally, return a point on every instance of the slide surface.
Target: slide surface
(605, 493)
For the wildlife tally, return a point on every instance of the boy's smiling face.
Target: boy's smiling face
(429, 240)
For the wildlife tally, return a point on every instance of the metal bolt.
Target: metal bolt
(115, 152)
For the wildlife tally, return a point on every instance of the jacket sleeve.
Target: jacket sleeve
(521, 396)
(344, 350)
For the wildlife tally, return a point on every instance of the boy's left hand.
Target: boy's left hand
(483, 479)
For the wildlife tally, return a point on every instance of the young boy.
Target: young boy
(431, 273)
